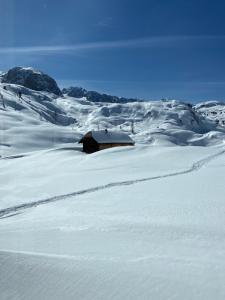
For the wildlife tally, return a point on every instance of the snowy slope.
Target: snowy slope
(213, 110)
(143, 222)
(32, 122)
(156, 233)
(41, 120)
(155, 122)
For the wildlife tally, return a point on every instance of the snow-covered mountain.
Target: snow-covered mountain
(143, 222)
(155, 122)
(212, 110)
(42, 119)
(79, 92)
(31, 78)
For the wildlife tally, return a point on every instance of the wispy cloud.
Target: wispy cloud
(146, 42)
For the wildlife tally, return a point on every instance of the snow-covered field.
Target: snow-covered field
(160, 238)
(143, 222)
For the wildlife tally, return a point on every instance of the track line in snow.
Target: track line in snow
(12, 211)
(13, 156)
(88, 258)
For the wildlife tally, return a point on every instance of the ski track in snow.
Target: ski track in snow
(14, 210)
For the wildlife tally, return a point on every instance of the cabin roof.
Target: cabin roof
(110, 137)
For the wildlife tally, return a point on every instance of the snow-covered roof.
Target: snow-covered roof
(106, 136)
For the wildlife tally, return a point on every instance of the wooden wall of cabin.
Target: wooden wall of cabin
(106, 146)
(90, 145)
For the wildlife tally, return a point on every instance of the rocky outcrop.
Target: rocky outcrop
(31, 79)
(78, 92)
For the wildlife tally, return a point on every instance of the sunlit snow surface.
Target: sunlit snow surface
(143, 222)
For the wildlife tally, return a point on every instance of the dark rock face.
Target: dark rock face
(31, 79)
(78, 92)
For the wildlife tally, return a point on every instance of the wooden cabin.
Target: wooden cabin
(98, 140)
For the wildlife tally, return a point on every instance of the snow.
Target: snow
(27, 124)
(213, 110)
(40, 120)
(106, 136)
(155, 122)
(143, 222)
(156, 239)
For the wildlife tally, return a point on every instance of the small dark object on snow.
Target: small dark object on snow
(19, 94)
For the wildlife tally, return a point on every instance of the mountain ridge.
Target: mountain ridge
(39, 119)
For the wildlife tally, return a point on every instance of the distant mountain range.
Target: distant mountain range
(39, 81)
(36, 114)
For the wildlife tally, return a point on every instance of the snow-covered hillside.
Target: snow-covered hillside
(126, 223)
(40, 120)
(213, 110)
(155, 122)
(32, 122)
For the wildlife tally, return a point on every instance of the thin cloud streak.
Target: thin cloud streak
(147, 42)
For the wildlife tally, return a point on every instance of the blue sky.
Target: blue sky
(149, 49)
